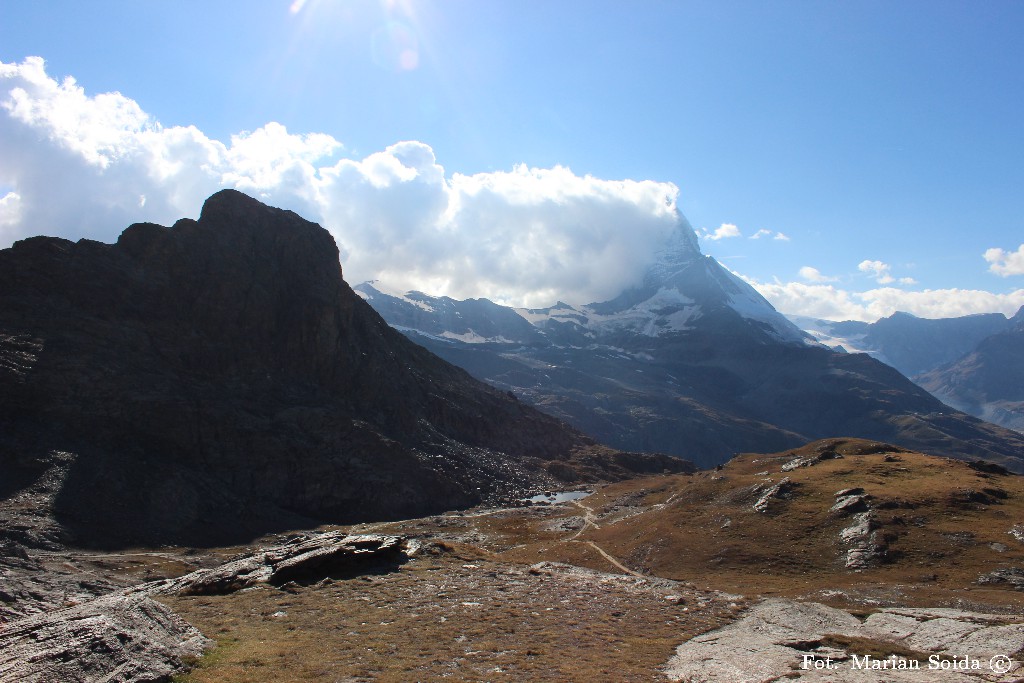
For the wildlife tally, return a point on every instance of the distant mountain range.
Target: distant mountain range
(693, 362)
(974, 363)
(988, 381)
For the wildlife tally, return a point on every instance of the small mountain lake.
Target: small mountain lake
(552, 497)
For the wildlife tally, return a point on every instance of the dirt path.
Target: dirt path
(591, 521)
(611, 559)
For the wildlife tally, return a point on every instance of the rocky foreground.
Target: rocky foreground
(554, 592)
(127, 636)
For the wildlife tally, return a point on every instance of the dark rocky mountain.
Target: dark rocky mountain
(910, 344)
(692, 362)
(988, 381)
(216, 379)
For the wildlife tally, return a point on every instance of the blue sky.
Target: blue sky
(874, 148)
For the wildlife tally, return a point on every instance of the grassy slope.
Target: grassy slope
(476, 611)
(945, 524)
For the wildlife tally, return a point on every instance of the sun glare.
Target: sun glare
(394, 43)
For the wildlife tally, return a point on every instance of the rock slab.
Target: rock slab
(115, 639)
(781, 639)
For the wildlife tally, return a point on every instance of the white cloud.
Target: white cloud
(877, 270)
(724, 231)
(79, 165)
(941, 303)
(10, 215)
(812, 274)
(1005, 263)
(814, 300)
(832, 303)
(763, 232)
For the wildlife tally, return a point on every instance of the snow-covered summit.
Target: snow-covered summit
(683, 285)
(682, 292)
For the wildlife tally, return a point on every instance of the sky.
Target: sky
(847, 159)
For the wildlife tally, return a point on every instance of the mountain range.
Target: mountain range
(974, 363)
(988, 381)
(167, 399)
(216, 379)
(690, 361)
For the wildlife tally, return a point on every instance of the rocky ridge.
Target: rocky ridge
(973, 363)
(989, 380)
(218, 378)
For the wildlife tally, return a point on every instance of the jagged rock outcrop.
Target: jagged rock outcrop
(125, 636)
(849, 501)
(778, 491)
(1011, 576)
(116, 638)
(305, 557)
(217, 379)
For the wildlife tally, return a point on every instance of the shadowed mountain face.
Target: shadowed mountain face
(988, 381)
(910, 344)
(209, 381)
(974, 363)
(692, 362)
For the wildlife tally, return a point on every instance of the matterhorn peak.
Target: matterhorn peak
(681, 246)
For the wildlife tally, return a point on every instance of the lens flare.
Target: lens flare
(395, 47)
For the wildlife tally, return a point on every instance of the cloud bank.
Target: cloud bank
(79, 165)
(830, 302)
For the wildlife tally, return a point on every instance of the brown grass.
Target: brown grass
(473, 610)
(940, 539)
(443, 618)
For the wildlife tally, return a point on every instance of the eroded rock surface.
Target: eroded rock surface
(125, 636)
(1013, 576)
(778, 491)
(305, 558)
(782, 639)
(116, 638)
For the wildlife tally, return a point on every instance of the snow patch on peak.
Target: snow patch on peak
(373, 288)
(560, 312)
(471, 337)
(752, 306)
(667, 310)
